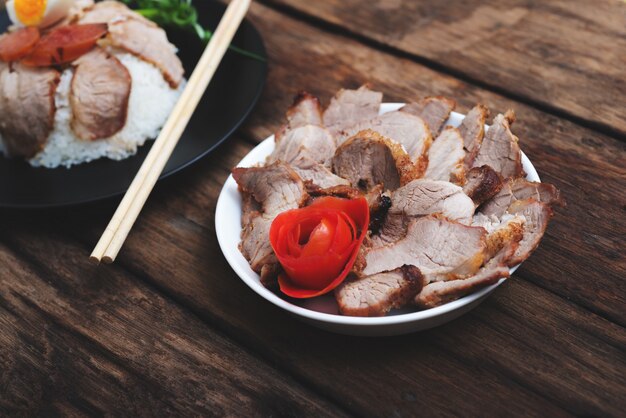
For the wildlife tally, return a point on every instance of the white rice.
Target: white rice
(151, 101)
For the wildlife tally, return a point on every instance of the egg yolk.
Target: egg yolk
(30, 12)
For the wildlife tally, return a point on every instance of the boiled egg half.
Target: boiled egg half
(40, 13)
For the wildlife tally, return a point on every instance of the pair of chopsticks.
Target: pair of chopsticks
(126, 214)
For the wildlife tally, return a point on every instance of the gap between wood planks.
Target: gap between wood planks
(435, 66)
(227, 333)
(512, 377)
(219, 327)
(224, 329)
(230, 332)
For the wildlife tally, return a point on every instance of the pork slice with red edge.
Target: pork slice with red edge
(134, 33)
(27, 107)
(99, 94)
(150, 44)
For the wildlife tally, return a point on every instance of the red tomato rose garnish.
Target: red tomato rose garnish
(65, 44)
(18, 44)
(317, 245)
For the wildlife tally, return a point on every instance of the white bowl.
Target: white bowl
(322, 311)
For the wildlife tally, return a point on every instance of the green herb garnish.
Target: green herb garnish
(181, 14)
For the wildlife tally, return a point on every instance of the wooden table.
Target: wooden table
(170, 329)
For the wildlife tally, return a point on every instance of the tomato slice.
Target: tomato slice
(318, 245)
(65, 44)
(320, 239)
(18, 44)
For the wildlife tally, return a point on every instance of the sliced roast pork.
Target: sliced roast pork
(438, 293)
(342, 191)
(482, 183)
(377, 294)
(316, 174)
(536, 215)
(309, 150)
(425, 197)
(27, 108)
(305, 110)
(255, 244)
(150, 44)
(99, 95)
(408, 130)
(520, 189)
(369, 159)
(441, 249)
(506, 232)
(472, 130)
(500, 149)
(392, 229)
(132, 32)
(275, 188)
(435, 111)
(445, 157)
(351, 106)
(76, 11)
(419, 198)
(310, 141)
(109, 11)
(250, 208)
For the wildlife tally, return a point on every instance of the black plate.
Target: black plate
(232, 94)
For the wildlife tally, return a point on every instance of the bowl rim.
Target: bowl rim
(252, 279)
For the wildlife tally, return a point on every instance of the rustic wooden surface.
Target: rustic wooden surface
(170, 329)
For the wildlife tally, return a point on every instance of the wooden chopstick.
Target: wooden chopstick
(124, 217)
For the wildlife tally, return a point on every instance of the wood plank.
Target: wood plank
(543, 354)
(567, 360)
(564, 55)
(588, 167)
(75, 339)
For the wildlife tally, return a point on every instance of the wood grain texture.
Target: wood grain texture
(170, 328)
(564, 55)
(78, 339)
